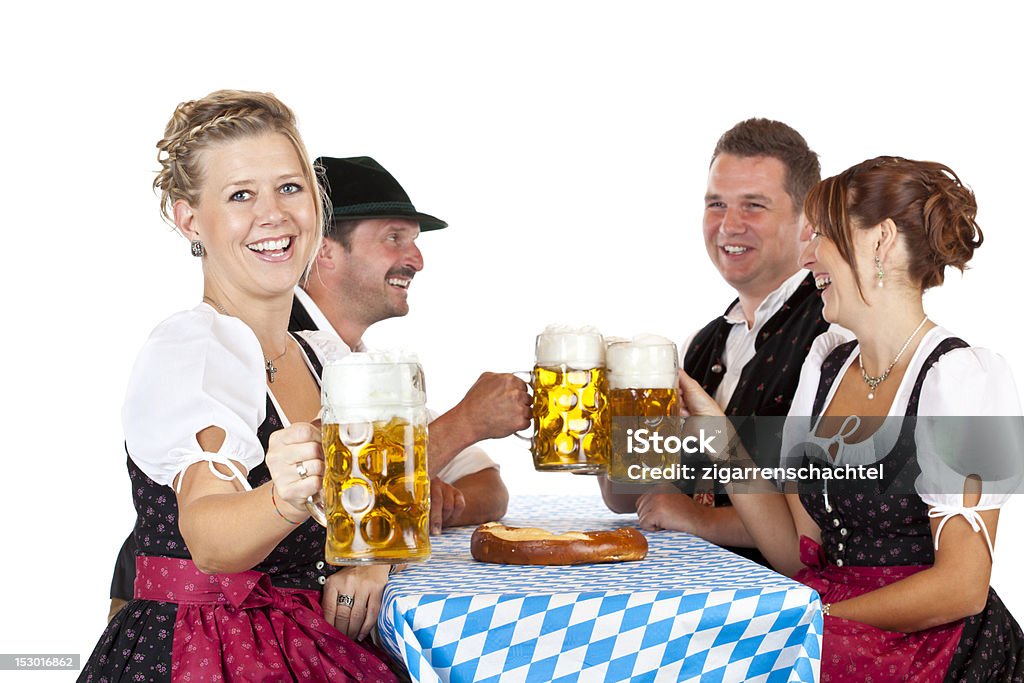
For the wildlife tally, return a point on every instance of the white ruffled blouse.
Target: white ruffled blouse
(967, 382)
(200, 369)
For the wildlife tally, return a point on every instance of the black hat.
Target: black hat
(359, 187)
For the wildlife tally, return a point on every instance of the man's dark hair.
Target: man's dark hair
(766, 138)
(341, 231)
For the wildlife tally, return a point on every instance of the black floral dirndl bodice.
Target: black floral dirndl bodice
(863, 526)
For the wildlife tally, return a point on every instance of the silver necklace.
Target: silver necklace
(873, 382)
(270, 367)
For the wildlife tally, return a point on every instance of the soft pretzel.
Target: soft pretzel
(502, 544)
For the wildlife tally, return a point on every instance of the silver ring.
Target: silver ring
(347, 600)
(300, 467)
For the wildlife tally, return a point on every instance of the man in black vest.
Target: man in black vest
(749, 359)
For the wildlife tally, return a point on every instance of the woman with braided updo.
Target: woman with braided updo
(901, 562)
(217, 419)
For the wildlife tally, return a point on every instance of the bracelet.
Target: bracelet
(280, 514)
(826, 609)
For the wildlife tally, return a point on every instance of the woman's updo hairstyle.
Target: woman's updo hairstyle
(933, 211)
(220, 117)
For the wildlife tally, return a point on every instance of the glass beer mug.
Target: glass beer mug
(570, 402)
(642, 379)
(375, 500)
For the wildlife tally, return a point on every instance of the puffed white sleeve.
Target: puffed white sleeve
(198, 369)
(969, 424)
(798, 422)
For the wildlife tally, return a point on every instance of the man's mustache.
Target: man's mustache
(401, 271)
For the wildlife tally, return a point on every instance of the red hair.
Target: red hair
(933, 211)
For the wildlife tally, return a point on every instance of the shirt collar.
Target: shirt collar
(771, 304)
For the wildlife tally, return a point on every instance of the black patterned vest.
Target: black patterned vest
(768, 381)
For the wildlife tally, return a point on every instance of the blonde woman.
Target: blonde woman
(217, 417)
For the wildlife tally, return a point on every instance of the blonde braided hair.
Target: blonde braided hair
(220, 117)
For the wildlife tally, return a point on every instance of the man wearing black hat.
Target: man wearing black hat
(749, 358)
(361, 276)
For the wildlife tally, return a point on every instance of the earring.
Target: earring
(199, 251)
(879, 273)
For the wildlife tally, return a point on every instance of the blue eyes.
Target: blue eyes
(246, 195)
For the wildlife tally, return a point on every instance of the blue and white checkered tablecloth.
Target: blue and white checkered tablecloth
(689, 612)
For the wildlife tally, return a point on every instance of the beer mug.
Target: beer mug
(642, 379)
(375, 500)
(571, 429)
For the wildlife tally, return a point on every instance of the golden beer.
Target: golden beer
(642, 375)
(571, 418)
(376, 492)
(639, 409)
(375, 499)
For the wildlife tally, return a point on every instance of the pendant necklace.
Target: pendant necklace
(873, 382)
(269, 367)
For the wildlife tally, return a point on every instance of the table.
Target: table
(690, 612)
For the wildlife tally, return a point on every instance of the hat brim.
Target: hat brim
(426, 221)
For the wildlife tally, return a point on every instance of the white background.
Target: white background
(566, 143)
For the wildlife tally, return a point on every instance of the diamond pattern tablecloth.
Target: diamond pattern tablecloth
(689, 612)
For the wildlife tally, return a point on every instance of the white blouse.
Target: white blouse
(198, 369)
(964, 383)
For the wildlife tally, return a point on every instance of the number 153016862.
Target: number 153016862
(25, 662)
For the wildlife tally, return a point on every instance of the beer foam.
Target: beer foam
(581, 348)
(379, 356)
(372, 385)
(608, 341)
(645, 362)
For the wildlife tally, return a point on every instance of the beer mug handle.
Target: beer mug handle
(315, 505)
(526, 376)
